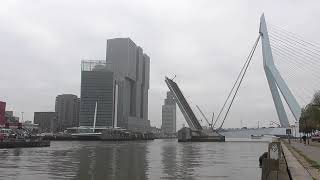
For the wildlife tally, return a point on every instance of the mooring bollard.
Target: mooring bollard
(270, 165)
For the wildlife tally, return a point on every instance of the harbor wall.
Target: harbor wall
(281, 164)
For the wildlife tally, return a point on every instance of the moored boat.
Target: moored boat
(16, 138)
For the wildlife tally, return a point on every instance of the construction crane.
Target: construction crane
(210, 124)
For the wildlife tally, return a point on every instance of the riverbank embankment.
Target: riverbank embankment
(285, 161)
(305, 155)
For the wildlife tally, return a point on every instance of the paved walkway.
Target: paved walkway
(312, 152)
(297, 170)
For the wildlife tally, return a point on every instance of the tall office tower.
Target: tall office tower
(169, 114)
(47, 121)
(67, 108)
(131, 83)
(2, 113)
(96, 94)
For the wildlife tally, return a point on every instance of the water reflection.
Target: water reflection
(169, 161)
(124, 160)
(159, 159)
(189, 160)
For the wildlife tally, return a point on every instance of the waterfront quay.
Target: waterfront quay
(290, 159)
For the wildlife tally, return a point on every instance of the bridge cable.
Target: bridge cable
(291, 40)
(294, 76)
(288, 33)
(290, 57)
(301, 92)
(299, 52)
(281, 43)
(286, 64)
(296, 41)
(234, 85)
(296, 53)
(283, 60)
(246, 65)
(301, 86)
(295, 58)
(298, 57)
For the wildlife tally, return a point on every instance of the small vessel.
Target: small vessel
(256, 136)
(89, 135)
(108, 133)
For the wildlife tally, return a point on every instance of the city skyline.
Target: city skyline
(197, 50)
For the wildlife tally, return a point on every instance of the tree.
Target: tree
(316, 98)
(310, 115)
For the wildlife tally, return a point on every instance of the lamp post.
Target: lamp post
(306, 130)
(317, 107)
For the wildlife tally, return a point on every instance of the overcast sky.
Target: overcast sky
(203, 42)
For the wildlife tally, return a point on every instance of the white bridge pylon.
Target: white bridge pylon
(275, 81)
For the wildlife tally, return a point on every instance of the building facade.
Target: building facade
(67, 108)
(119, 86)
(47, 121)
(96, 94)
(169, 114)
(131, 69)
(2, 113)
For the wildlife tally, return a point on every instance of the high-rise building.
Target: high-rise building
(131, 81)
(47, 121)
(67, 108)
(118, 87)
(96, 94)
(169, 114)
(2, 113)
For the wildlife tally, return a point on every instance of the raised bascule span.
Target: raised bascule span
(195, 132)
(183, 105)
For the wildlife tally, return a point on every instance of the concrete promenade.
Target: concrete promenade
(303, 154)
(312, 152)
(296, 169)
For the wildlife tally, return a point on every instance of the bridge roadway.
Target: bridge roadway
(246, 133)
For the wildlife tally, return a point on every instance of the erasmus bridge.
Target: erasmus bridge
(292, 68)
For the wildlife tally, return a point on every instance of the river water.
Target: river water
(158, 159)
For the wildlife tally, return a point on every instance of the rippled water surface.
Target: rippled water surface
(158, 159)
